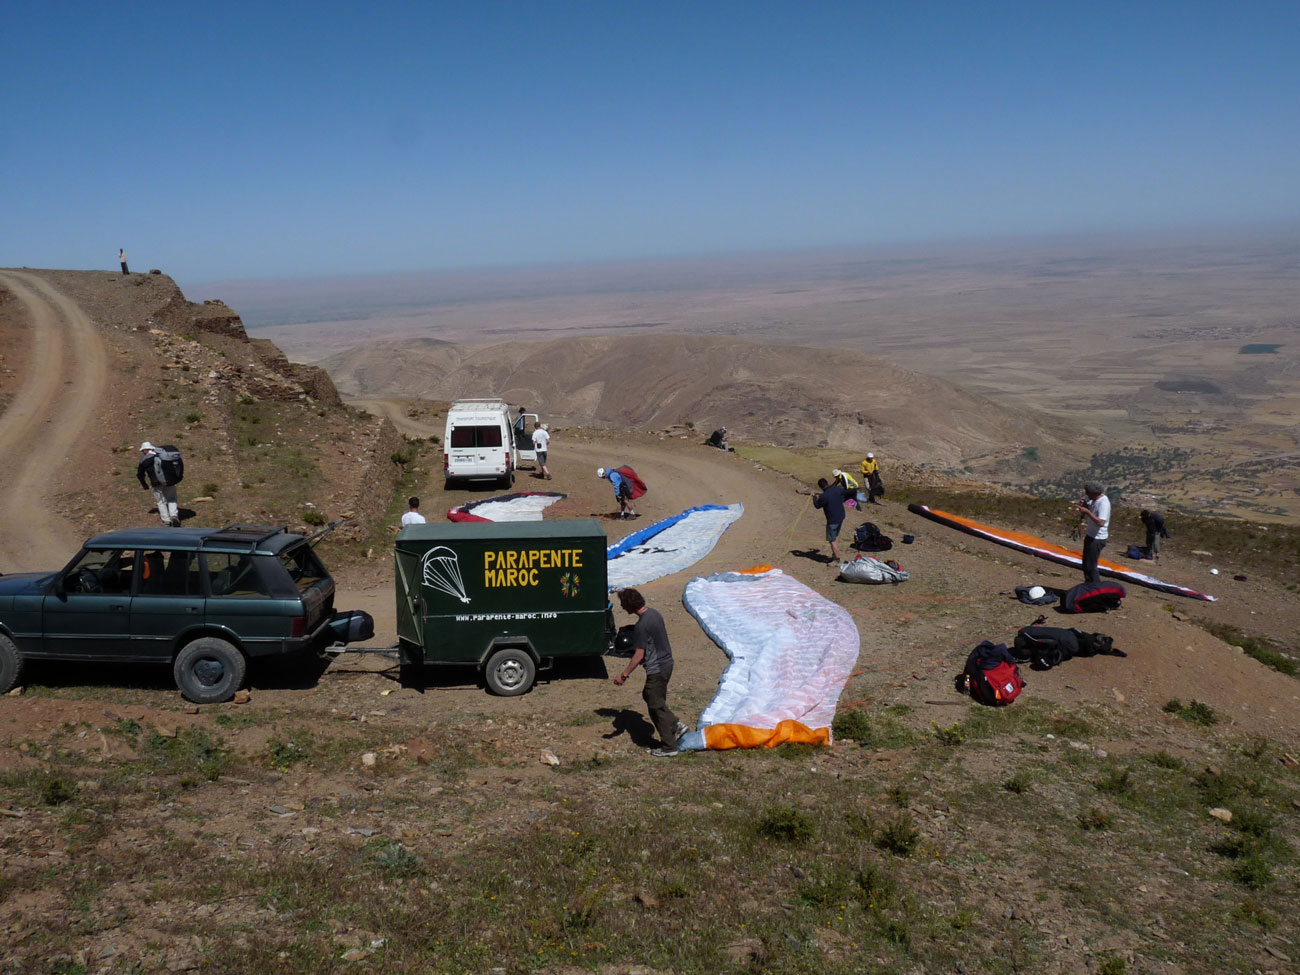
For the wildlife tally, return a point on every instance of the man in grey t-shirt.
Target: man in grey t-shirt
(650, 647)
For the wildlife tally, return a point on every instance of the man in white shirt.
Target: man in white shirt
(1097, 510)
(412, 516)
(541, 441)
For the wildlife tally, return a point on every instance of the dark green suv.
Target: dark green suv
(204, 600)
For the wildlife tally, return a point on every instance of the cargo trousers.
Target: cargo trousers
(655, 695)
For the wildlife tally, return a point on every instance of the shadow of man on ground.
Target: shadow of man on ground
(634, 724)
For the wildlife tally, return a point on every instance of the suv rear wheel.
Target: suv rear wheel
(11, 664)
(510, 672)
(209, 670)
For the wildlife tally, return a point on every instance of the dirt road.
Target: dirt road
(60, 390)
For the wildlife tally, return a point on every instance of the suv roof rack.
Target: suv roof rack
(254, 535)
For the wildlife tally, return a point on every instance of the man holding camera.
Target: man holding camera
(1096, 508)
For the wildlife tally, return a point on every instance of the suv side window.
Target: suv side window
(233, 574)
(101, 570)
(170, 574)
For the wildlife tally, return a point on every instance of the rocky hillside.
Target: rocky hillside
(790, 396)
(265, 440)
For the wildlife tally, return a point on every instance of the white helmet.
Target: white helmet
(870, 455)
(600, 472)
(1037, 592)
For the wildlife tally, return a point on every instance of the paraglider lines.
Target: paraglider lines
(440, 569)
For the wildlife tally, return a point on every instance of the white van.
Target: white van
(480, 442)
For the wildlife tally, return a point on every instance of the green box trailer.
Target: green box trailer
(507, 596)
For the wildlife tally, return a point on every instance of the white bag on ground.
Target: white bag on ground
(866, 569)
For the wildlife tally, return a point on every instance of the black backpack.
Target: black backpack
(868, 538)
(1045, 647)
(1093, 597)
(168, 467)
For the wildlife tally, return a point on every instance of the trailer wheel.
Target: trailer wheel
(209, 670)
(510, 672)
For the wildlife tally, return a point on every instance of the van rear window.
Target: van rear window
(476, 436)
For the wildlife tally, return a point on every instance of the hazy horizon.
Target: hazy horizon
(352, 139)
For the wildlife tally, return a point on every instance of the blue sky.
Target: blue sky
(266, 140)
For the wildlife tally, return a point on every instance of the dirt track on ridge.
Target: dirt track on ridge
(62, 387)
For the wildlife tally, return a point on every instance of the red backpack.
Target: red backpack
(633, 487)
(991, 676)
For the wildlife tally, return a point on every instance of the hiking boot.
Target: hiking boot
(680, 730)
(664, 752)
(176, 523)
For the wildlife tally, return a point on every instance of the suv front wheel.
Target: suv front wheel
(209, 670)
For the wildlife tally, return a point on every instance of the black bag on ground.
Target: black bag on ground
(1044, 647)
(1093, 597)
(168, 467)
(867, 537)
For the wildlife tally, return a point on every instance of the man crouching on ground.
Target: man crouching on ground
(650, 647)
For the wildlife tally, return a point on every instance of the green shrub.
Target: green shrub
(899, 836)
(785, 824)
(1093, 818)
(57, 790)
(313, 517)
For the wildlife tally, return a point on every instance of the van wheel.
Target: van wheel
(209, 670)
(510, 672)
(11, 664)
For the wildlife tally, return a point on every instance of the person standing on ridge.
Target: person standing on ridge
(651, 649)
(1095, 508)
(164, 495)
(412, 516)
(871, 477)
(1154, 523)
(541, 443)
(121, 258)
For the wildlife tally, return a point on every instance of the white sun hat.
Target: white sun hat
(600, 472)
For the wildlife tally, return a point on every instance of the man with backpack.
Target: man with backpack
(1154, 523)
(160, 470)
(625, 489)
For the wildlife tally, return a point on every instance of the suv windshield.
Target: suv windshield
(304, 568)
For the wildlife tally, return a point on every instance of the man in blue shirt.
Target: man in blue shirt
(831, 501)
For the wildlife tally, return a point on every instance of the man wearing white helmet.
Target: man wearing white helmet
(871, 477)
(152, 477)
(622, 490)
